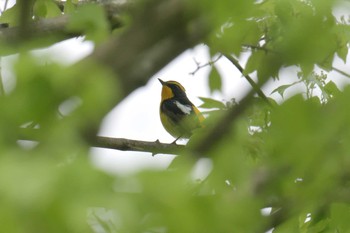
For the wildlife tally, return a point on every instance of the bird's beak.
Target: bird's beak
(161, 81)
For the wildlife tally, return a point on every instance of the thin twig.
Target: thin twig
(209, 63)
(341, 72)
(2, 90)
(255, 86)
(5, 5)
(257, 47)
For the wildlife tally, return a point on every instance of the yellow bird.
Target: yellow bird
(177, 113)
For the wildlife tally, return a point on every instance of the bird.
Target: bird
(178, 114)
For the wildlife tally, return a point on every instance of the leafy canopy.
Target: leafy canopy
(275, 166)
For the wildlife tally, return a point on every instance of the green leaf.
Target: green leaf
(267, 64)
(332, 89)
(339, 214)
(69, 7)
(281, 89)
(232, 23)
(327, 63)
(90, 19)
(343, 53)
(215, 82)
(342, 41)
(39, 9)
(254, 61)
(211, 103)
(46, 9)
(52, 9)
(258, 113)
(10, 16)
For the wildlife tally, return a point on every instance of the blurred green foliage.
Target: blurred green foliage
(91, 20)
(282, 166)
(45, 9)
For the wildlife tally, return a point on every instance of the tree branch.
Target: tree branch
(30, 134)
(255, 86)
(136, 145)
(40, 28)
(53, 28)
(341, 72)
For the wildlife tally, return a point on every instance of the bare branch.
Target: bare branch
(136, 145)
(209, 63)
(31, 134)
